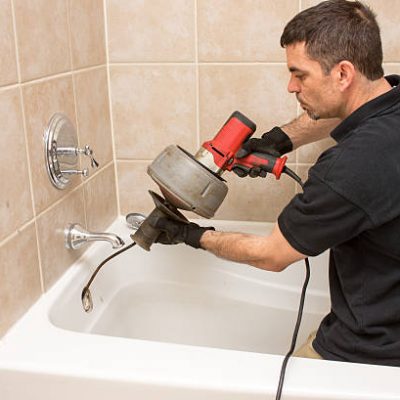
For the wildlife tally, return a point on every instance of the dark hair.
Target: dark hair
(337, 30)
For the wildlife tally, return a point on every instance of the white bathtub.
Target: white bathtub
(178, 323)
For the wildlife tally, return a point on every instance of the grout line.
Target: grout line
(88, 69)
(135, 160)
(28, 159)
(51, 77)
(80, 166)
(9, 87)
(69, 36)
(75, 105)
(34, 219)
(110, 105)
(197, 89)
(14, 22)
(185, 63)
(150, 63)
(17, 232)
(245, 63)
(98, 66)
(301, 164)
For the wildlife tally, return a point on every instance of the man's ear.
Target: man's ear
(345, 73)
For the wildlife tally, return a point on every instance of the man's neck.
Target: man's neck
(364, 91)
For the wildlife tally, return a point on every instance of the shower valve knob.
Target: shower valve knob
(62, 151)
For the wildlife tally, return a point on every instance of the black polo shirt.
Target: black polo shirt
(351, 205)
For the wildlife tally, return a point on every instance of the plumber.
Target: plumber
(351, 200)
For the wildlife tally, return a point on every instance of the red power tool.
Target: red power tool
(219, 154)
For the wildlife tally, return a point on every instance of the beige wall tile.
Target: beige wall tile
(309, 3)
(87, 33)
(391, 69)
(243, 30)
(8, 64)
(134, 184)
(19, 276)
(388, 18)
(258, 91)
(15, 196)
(310, 152)
(43, 43)
(255, 199)
(41, 101)
(151, 30)
(153, 107)
(93, 114)
(55, 258)
(101, 199)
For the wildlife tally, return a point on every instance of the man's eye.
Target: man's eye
(299, 77)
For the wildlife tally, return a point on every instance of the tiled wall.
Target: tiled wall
(53, 59)
(175, 70)
(178, 68)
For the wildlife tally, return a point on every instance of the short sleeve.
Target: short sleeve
(320, 218)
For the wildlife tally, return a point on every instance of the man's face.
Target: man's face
(316, 91)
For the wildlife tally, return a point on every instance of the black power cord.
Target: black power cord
(293, 175)
(295, 332)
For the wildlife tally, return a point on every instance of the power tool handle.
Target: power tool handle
(267, 162)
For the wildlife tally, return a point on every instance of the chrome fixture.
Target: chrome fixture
(61, 151)
(76, 236)
(134, 220)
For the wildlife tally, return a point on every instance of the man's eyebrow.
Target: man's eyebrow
(295, 69)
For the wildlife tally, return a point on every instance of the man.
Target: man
(351, 201)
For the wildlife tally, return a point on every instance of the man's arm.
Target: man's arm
(304, 130)
(272, 253)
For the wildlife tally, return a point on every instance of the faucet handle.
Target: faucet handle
(84, 172)
(89, 152)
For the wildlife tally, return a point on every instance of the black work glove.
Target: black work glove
(274, 142)
(174, 232)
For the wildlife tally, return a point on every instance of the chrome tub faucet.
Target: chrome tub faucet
(76, 236)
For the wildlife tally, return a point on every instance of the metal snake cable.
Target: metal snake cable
(86, 296)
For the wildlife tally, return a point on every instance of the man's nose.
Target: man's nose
(293, 86)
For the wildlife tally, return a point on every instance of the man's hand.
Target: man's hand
(174, 232)
(274, 142)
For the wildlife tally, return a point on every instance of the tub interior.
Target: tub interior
(175, 294)
(174, 313)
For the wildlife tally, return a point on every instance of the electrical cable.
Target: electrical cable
(293, 175)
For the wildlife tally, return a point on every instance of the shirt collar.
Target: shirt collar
(369, 109)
